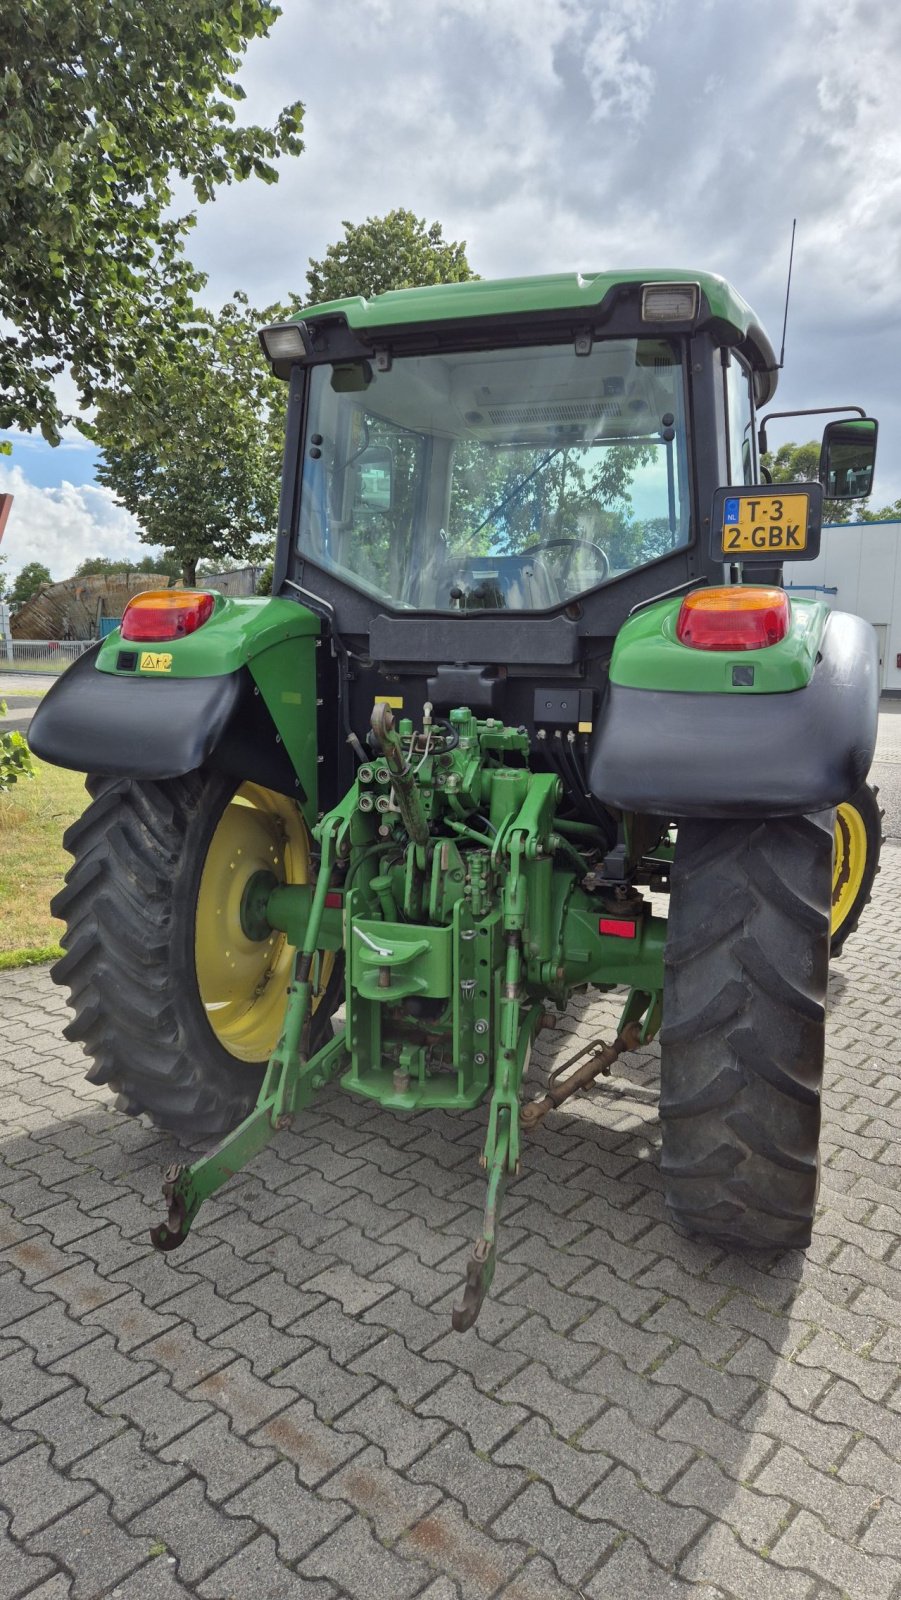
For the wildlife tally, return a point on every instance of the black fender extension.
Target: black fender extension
(143, 727)
(680, 754)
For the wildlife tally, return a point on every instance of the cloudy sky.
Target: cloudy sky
(571, 134)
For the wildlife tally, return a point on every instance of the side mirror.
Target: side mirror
(374, 479)
(847, 458)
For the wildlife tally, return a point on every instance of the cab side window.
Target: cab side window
(740, 421)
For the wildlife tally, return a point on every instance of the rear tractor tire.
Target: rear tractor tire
(178, 1005)
(742, 1044)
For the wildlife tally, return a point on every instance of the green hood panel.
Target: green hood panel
(647, 655)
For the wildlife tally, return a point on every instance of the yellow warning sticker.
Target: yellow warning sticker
(395, 701)
(156, 661)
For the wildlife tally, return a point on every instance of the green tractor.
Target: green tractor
(527, 661)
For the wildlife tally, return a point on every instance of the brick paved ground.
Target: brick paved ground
(280, 1409)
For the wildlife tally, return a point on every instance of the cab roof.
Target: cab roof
(581, 292)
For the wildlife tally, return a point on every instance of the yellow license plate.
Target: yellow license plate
(776, 523)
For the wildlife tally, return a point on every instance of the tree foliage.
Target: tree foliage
(800, 463)
(103, 103)
(30, 581)
(192, 446)
(15, 757)
(398, 251)
(98, 566)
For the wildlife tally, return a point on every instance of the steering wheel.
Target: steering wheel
(573, 544)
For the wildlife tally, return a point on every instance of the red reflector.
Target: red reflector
(741, 617)
(618, 927)
(334, 900)
(164, 614)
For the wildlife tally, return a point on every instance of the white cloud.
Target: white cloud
(62, 527)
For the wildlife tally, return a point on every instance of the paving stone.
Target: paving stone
(843, 1403)
(532, 1337)
(883, 1536)
(566, 1411)
(19, 1300)
(156, 1581)
(70, 1426)
(867, 1466)
(89, 1543)
(630, 1574)
(266, 1348)
(842, 1506)
(537, 1580)
(257, 1571)
(200, 1536)
(481, 1484)
(158, 1410)
(647, 1402)
(573, 1545)
(186, 1358)
(757, 1517)
(315, 1449)
(34, 1492)
(19, 1571)
(207, 1312)
(488, 1366)
(282, 1302)
(852, 1571)
(101, 1370)
(409, 1375)
(417, 1326)
(37, 1258)
(402, 1434)
(342, 1336)
(353, 1292)
(352, 1551)
(664, 1529)
(56, 1588)
(24, 1385)
(486, 1421)
(296, 1518)
(130, 1322)
(224, 1462)
(51, 1333)
(654, 1460)
(129, 1472)
(316, 1377)
(477, 1564)
(246, 1400)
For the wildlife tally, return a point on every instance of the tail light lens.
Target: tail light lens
(163, 614)
(737, 618)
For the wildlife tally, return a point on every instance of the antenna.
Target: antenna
(791, 257)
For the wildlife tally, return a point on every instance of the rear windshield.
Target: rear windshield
(496, 480)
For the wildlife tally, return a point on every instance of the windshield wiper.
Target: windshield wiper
(516, 489)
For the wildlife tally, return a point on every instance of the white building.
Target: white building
(859, 569)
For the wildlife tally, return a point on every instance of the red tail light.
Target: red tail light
(163, 614)
(738, 618)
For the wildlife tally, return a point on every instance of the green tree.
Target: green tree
(29, 582)
(192, 444)
(398, 251)
(102, 104)
(96, 565)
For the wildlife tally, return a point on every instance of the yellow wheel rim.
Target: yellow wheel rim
(242, 981)
(850, 862)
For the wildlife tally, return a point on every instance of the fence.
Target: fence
(40, 655)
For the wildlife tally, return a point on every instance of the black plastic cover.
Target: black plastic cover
(159, 727)
(679, 754)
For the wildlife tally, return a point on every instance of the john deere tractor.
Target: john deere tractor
(528, 659)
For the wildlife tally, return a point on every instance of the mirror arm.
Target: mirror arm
(812, 411)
